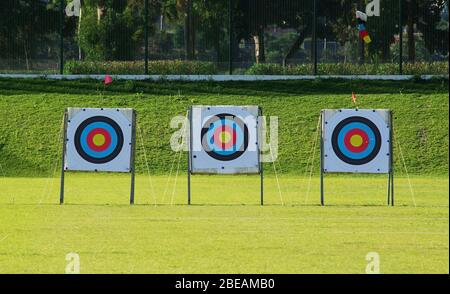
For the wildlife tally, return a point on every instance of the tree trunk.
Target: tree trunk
(256, 40)
(26, 54)
(189, 31)
(410, 26)
(259, 47)
(100, 10)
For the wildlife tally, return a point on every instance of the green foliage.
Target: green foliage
(422, 53)
(418, 68)
(27, 32)
(424, 68)
(277, 45)
(160, 67)
(115, 35)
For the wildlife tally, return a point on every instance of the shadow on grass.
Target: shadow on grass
(248, 88)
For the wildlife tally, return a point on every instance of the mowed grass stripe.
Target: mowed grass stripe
(225, 236)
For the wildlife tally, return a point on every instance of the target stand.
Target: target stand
(224, 140)
(99, 139)
(357, 141)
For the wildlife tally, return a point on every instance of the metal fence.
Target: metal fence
(299, 37)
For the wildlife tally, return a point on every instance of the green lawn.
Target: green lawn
(225, 230)
(31, 112)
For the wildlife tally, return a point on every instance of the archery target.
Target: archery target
(99, 139)
(224, 139)
(356, 140)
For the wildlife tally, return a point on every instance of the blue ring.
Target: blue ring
(363, 127)
(88, 129)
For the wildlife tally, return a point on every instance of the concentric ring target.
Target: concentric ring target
(224, 137)
(98, 139)
(356, 140)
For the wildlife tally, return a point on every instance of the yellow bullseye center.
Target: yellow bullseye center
(225, 137)
(356, 140)
(98, 139)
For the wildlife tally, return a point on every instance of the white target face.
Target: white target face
(356, 141)
(224, 139)
(99, 139)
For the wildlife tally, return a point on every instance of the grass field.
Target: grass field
(225, 230)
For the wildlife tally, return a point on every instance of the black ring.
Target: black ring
(116, 150)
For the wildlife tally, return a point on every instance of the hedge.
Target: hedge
(180, 67)
(160, 67)
(418, 68)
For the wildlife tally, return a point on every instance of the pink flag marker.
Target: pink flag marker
(108, 80)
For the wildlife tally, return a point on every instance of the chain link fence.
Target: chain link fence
(273, 37)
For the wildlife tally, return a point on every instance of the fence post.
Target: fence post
(61, 37)
(400, 34)
(230, 33)
(314, 36)
(146, 36)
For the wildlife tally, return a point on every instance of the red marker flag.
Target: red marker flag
(108, 80)
(354, 97)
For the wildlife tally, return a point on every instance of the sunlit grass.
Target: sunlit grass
(225, 230)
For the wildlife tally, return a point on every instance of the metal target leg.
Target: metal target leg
(321, 188)
(262, 185)
(132, 157)
(392, 188)
(391, 157)
(389, 189)
(259, 142)
(189, 158)
(189, 187)
(61, 192)
(132, 188)
(321, 159)
(63, 157)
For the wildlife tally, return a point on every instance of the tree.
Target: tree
(252, 17)
(27, 30)
(211, 21)
(424, 16)
(114, 29)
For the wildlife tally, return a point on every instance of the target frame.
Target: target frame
(340, 126)
(99, 139)
(240, 157)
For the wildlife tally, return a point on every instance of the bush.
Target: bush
(158, 67)
(180, 67)
(418, 68)
(425, 68)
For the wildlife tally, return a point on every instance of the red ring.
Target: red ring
(90, 139)
(221, 145)
(356, 149)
